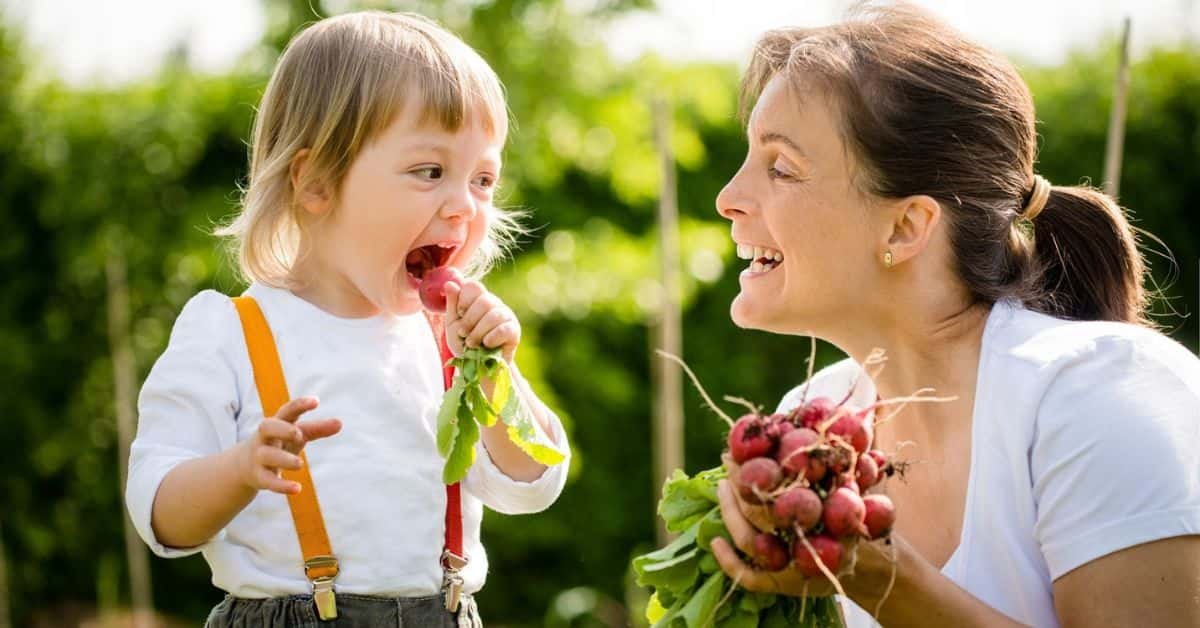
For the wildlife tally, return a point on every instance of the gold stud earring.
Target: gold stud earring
(887, 258)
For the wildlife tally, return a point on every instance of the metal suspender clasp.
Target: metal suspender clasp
(323, 595)
(452, 582)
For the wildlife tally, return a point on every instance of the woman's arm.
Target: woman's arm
(1153, 584)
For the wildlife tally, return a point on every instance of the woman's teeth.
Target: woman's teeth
(762, 259)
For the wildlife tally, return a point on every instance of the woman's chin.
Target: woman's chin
(747, 314)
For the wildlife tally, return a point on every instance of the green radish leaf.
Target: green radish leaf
(480, 407)
(711, 527)
(740, 618)
(699, 610)
(503, 396)
(463, 455)
(447, 422)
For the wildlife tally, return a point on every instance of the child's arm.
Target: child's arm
(201, 496)
(504, 477)
(187, 470)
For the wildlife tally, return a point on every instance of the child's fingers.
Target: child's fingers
(504, 334)
(270, 481)
(276, 432)
(319, 428)
(480, 307)
(453, 291)
(292, 410)
(275, 458)
(468, 293)
(487, 323)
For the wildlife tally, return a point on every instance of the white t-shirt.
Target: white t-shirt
(1084, 442)
(378, 480)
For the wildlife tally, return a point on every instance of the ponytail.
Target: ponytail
(1088, 266)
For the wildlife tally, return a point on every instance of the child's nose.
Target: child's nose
(459, 206)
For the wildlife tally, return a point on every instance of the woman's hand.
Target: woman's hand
(476, 317)
(872, 569)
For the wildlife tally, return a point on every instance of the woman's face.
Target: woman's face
(798, 220)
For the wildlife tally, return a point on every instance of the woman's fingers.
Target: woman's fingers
(739, 527)
(744, 575)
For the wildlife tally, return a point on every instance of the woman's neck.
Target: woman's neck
(927, 347)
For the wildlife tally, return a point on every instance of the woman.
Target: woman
(890, 200)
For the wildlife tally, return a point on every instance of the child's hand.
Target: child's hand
(276, 443)
(476, 317)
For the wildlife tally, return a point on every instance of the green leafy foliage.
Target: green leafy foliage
(690, 590)
(465, 408)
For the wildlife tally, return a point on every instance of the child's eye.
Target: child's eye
(485, 181)
(432, 173)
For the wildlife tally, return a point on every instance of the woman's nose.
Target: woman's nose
(731, 202)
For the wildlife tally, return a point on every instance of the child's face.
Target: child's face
(416, 197)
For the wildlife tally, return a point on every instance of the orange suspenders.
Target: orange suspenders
(320, 564)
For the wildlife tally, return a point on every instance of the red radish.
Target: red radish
(817, 467)
(797, 506)
(758, 477)
(433, 287)
(749, 438)
(780, 425)
(847, 480)
(880, 515)
(843, 513)
(840, 458)
(826, 548)
(879, 457)
(770, 552)
(866, 472)
(855, 428)
(793, 449)
(816, 412)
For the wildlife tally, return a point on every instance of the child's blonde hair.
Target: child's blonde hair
(338, 84)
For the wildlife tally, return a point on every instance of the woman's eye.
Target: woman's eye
(432, 173)
(776, 173)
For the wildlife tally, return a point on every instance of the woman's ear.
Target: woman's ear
(310, 194)
(914, 220)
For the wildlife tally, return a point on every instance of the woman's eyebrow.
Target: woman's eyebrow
(774, 137)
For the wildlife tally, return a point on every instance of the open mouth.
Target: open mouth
(763, 259)
(423, 259)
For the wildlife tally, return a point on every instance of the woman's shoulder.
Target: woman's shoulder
(1054, 349)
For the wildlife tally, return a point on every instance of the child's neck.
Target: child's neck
(329, 290)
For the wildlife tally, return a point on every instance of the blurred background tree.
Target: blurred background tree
(149, 168)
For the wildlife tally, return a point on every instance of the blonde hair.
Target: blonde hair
(337, 85)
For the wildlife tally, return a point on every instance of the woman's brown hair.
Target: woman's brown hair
(925, 111)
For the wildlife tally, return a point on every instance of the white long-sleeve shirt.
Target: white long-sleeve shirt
(378, 480)
(1083, 443)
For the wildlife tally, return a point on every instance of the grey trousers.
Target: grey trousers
(354, 611)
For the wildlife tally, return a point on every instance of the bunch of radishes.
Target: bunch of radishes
(811, 469)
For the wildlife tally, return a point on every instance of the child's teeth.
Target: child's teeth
(758, 252)
(756, 267)
(744, 251)
(778, 256)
